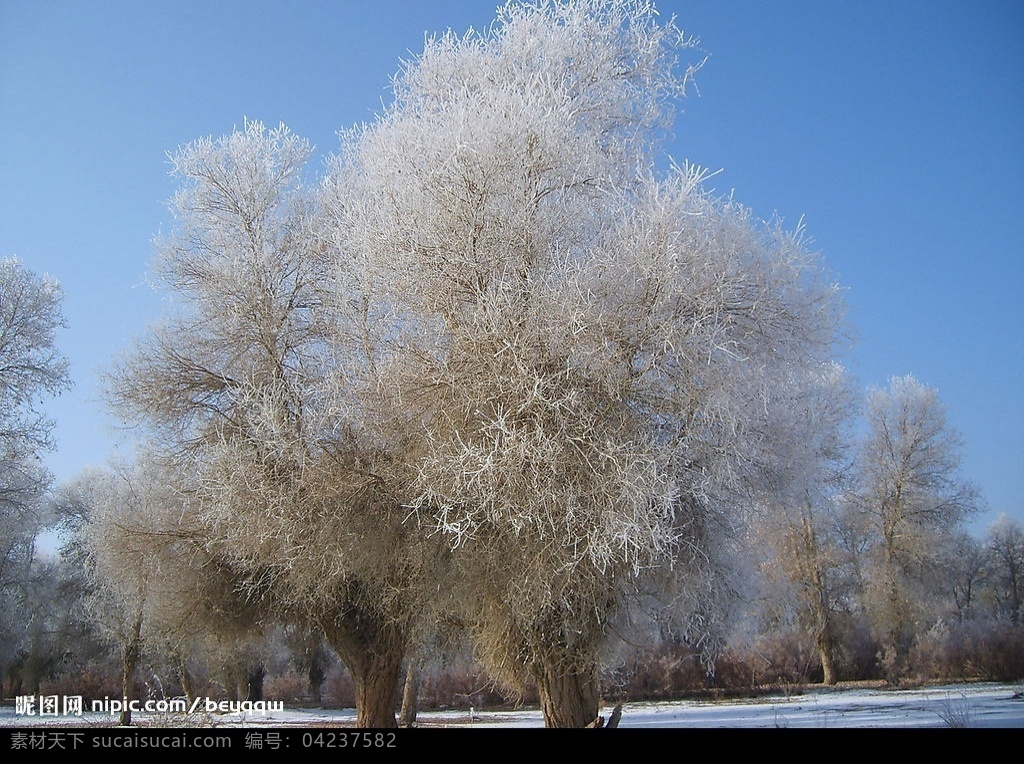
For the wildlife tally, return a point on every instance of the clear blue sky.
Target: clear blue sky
(895, 129)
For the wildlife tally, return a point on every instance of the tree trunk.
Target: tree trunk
(824, 640)
(232, 682)
(315, 674)
(185, 678)
(254, 676)
(375, 693)
(410, 696)
(567, 699)
(15, 681)
(895, 634)
(129, 661)
(826, 652)
(372, 648)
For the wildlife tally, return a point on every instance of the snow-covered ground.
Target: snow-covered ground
(983, 705)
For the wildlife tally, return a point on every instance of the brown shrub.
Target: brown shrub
(291, 688)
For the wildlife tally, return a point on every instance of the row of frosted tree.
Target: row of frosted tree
(136, 591)
(502, 375)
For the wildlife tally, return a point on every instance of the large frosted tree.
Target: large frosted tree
(496, 354)
(589, 351)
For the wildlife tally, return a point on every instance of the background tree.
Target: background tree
(310, 655)
(912, 497)
(154, 590)
(30, 368)
(799, 527)
(588, 350)
(965, 571)
(1004, 544)
(46, 623)
(126, 512)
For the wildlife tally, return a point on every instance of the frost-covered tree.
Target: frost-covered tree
(799, 527)
(31, 368)
(496, 327)
(153, 588)
(911, 496)
(123, 566)
(588, 351)
(253, 385)
(964, 573)
(1004, 543)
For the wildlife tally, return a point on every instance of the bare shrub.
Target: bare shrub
(985, 650)
(95, 682)
(956, 711)
(1000, 656)
(291, 688)
(461, 687)
(339, 691)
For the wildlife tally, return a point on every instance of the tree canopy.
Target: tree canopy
(495, 352)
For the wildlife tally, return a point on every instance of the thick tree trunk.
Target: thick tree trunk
(567, 699)
(375, 692)
(372, 648)
(826, 652)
